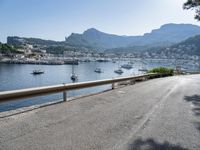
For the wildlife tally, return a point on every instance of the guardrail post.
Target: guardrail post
(132, 82)
(113, 85)
(65, 96)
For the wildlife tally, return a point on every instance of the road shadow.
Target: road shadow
(195, 100)
(151, 144)
(197, 125)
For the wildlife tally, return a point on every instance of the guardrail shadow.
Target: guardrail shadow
(151, 144)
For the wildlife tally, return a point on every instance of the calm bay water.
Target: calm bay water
(15, 76)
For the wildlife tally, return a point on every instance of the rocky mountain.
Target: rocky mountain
(167, 34)
(99, 39)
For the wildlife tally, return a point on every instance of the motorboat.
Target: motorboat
(98, 70)
(119, 71)
(143, 70)
(37, 72)
(127, 66)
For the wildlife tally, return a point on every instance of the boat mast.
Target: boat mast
(73, 73)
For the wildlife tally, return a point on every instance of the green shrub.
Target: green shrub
(162, 70)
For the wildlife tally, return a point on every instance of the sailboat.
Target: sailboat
(74, 77)
(143, 68)
(97, 69)
(119, 70)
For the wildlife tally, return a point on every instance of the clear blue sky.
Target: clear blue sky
(55, 19)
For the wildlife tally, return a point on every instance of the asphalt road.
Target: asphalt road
(161, 114)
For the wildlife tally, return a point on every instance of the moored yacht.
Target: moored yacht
(74, 77)
(143, 69)
(98, 70)
(119, 71)
(37, 72)
(127, 66)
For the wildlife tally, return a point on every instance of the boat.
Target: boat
(143, 70)
(71, 62)
(127, 66)
(37, 72)
(114, 61)
(98, 70)
(119, 71)
(74, 77)
(102, 60)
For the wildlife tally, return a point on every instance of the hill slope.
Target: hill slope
(184, 50)
(15, 40)
(191, 46)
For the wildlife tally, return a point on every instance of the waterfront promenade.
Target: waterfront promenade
(161, 113)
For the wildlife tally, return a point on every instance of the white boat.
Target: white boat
(98, 70)
(37, 72)
(143, 70)
(119, 71)
(127, 66)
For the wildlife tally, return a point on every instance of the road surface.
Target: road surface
(161, 114)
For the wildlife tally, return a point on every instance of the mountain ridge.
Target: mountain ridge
(93, 39)
(169, 33)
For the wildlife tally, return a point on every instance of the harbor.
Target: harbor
(19, 76)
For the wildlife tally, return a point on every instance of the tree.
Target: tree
(193, 4)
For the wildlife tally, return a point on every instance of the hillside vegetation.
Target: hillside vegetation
(7, 49)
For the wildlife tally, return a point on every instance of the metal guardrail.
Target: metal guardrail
(39, 91)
